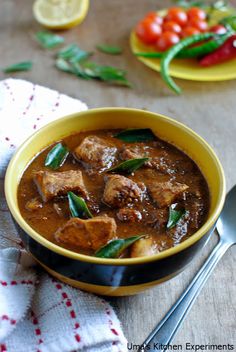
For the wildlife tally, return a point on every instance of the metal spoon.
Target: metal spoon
(165, 331)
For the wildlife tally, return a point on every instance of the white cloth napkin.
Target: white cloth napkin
(37, 312)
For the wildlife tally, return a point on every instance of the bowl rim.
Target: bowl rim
(207, 226)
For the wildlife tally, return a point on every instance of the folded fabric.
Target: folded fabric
(37, 312)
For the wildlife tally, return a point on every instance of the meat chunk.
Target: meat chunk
(134, 152)
(129, 215)
(120, 191)
(95, 152)
(164, 193)
(87, 234)
(158, 219)
(144, 247)
(52, 184)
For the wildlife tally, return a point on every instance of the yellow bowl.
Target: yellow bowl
(116, 276)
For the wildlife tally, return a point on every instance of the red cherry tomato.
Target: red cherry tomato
(177, 15)
(155, 17)
(218, 29)
(199, 24)
(197, 13)
(189, 31)
(171, 26)
(167, 40)
(148, 31)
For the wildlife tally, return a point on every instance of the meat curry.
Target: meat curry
(114, 194)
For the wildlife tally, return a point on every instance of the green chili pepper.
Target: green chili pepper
(198, 51)
(173, 52)
(151, 55)
(205, 48)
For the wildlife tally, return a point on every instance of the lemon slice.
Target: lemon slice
(60, 14)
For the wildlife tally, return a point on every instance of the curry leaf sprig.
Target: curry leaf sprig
(175, 215)
(48, 40)
(78, 207)
(20, 66)
(115, 247)
(57, 156)
(73, 59)
(131, 135)
(91, 70)
(129, 166)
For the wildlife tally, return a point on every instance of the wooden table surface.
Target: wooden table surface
(208, 108)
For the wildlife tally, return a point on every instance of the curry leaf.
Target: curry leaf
(114, 248)
(57, 156)
(78, 207)
(67, 52)
(129, 166)
(98, 69)
(79, 71)
(90, 70)
(49, 40)
(21, 66)
(107, 49)
(113, 75)
(136, 135)
(63, 65)
(174, 216)
(71, 67)
(73, 53)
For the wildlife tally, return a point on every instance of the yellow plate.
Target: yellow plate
(189, 69)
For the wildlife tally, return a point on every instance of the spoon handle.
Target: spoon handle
(164, 332)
